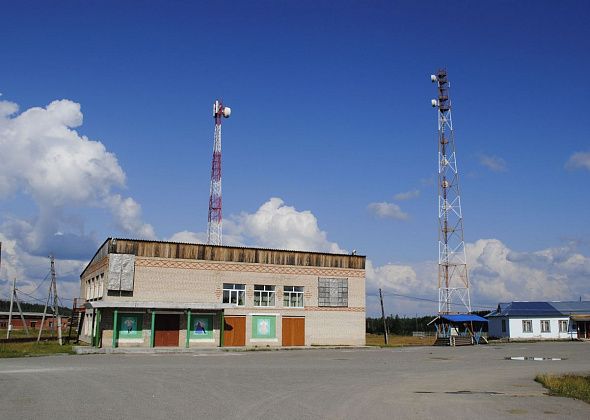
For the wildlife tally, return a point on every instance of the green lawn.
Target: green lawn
(570, 385)
(33, 349)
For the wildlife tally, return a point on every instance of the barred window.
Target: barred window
(332, 292)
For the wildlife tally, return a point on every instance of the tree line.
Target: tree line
(31, 307)
(406, 325)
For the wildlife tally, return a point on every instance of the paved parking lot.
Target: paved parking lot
(419, 382)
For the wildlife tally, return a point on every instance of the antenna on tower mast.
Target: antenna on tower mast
(453, 281)
(214, 229)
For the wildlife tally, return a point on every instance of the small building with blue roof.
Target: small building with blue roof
(540, 320)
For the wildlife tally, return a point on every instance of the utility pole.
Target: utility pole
(14, 298)
(383, 317)
(10, 313)
(52, 293)
(214, 228)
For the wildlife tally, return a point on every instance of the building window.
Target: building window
(234, 293)
(293, 296)
(332, 292)
(562, 326)
(33, 324)
(527, 326)
(264, 295)
(503, 325)
(545, 326)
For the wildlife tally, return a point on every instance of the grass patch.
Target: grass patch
(33, 349)
(570, 385)
(399, 340)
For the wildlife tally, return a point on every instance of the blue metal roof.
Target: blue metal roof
(464, 318)
(521, 309)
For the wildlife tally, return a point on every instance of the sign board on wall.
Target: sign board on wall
(264, 326)
(201, 327)
(130, 326)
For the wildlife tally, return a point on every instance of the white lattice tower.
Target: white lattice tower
(453, 281)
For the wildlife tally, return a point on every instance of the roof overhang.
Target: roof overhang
(159, 305)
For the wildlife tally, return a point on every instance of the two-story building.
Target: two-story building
(151, 294)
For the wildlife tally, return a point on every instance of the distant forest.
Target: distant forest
(405, 325)
(31, 307)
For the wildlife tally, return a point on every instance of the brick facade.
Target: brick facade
(160, 280)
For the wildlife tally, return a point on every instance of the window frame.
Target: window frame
(333, 292)
(528, 322)
(289, 294)
(265, 290)
(236, 289)
(561, 323)
(504, 326)
(545, 322)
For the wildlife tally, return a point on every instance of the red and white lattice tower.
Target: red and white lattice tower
(214, 230)
(453, 282)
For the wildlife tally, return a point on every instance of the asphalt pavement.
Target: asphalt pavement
(403, 383)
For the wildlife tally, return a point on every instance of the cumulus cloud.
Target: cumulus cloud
(408, 195)
(30, 270)
(493, 163)
(386, 210)
(579, 160)
(496, 273)
(273, 225)
(61, 172)
(59, 169)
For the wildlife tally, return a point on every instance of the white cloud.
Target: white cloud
(59, 169)
(493, 163)
(408, 195)
(30, 270)
(273, 225)
(579, 160)
(497, 274)
(387, 211)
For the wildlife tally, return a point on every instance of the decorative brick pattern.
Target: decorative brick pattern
(250, 268)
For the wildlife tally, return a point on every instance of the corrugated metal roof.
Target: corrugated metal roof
(464, 318)
(541, 309)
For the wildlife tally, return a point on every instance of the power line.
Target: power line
(424, 299)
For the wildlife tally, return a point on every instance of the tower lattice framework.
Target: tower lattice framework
(214, 224)
(453, 280)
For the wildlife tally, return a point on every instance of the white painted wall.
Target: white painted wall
(515, 329)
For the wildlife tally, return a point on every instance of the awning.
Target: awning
(463, 318)
(159, 305)
(580, 317)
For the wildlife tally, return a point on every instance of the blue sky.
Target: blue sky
(330, 113)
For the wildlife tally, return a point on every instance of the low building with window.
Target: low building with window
(540, 320)
(151, 294)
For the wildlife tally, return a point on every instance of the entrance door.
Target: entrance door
(234, 331)
(166, 330)
(583, 329)
(293, 331)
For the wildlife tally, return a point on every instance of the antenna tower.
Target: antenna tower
(453, 281)
(214, 231)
